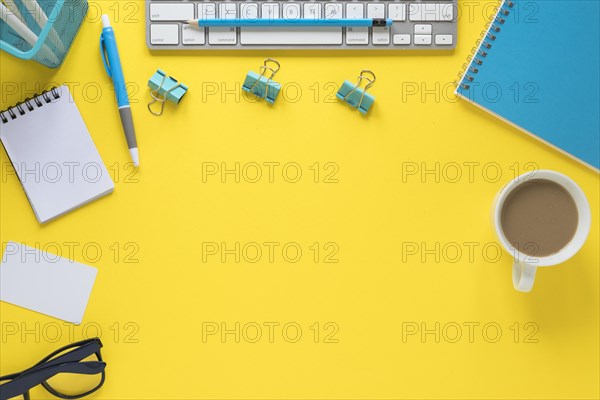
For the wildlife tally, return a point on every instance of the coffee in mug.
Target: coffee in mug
(539, 217)
(542, 218)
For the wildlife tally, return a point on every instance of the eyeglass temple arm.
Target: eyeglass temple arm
(24, 382)
(73, 356)
(88, 347)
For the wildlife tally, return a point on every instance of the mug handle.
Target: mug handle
(523, 276)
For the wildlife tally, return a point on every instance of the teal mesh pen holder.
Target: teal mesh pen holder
(61, 20)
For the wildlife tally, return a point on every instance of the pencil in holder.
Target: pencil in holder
(40, 30)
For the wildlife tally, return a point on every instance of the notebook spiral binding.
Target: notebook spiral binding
(37, 99)
(485, 43)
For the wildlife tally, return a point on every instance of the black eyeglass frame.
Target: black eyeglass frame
(70, 362)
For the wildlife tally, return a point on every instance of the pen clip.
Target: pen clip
(103, 55)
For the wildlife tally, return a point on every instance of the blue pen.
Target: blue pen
(112, 63)
(266, 22)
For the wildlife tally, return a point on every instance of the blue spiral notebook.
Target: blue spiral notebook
(537, 67)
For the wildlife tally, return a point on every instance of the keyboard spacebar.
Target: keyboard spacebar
(291, 35)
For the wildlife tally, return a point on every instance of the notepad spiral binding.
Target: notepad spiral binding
(479, 52)
(37, 99)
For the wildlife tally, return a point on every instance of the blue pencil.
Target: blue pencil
(264, 22)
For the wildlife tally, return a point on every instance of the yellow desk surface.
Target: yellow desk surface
(348, 257)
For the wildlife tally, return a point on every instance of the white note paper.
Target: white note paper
(45, 282)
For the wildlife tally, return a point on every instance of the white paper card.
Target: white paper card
(45, 282)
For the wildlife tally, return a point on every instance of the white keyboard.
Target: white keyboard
(418, 25)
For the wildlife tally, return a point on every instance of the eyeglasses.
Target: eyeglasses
(71, 372)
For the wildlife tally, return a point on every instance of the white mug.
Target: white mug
(525, 266)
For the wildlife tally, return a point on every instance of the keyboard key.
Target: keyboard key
(333, 11)
(312, 11)
(376, 10)
(192, 35)
(422, 29)
(355, 10)
(397, 12)
(401, 39)
(270, 10)
(422, 39)
(443, 40)
(381, 35)
(207, 11)
(249, 10)
(227, 10)
(431, 12)
(222, 36)
(356, 35)
(171, 12)
(164, 34)
(291, 11)
(290, 36)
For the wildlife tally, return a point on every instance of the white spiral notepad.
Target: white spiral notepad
(53, 154)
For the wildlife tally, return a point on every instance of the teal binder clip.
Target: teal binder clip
(262, 86)
(165, 88)
(357, 97)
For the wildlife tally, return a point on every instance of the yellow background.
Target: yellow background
(151, 313)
